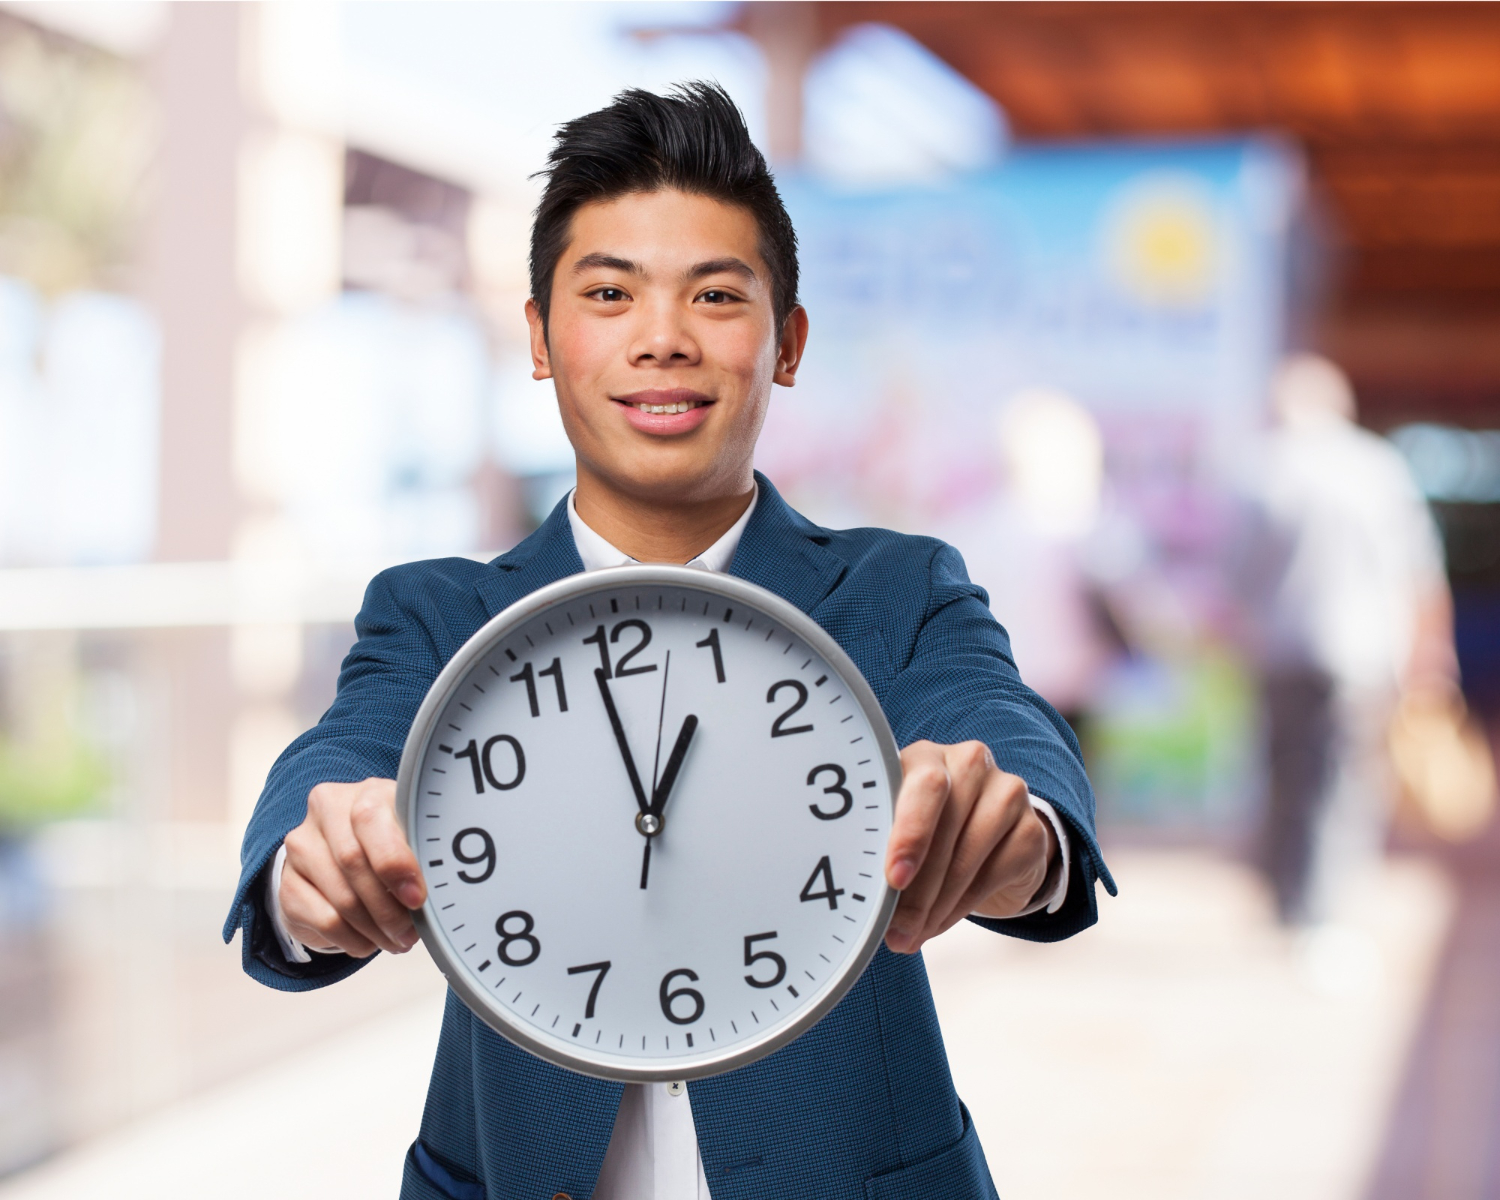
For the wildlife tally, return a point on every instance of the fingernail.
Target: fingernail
(410, 895)
(901, 873)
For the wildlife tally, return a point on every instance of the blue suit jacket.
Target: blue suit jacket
(860, 1106)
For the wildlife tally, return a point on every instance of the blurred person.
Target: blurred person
(663, 308)
(1031, 547)
(1341, 575)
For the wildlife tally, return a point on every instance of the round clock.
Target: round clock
(651, 804)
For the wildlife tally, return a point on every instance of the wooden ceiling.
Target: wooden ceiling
(1397, 106)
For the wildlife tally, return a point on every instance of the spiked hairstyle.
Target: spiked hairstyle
(692, 140)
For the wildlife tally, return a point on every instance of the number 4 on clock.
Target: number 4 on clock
(829, 892)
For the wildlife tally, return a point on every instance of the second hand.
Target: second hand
(656, 766)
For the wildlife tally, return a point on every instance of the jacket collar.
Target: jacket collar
(786, 553)
(546, 556)
(780, 550)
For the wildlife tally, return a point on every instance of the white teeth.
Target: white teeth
(663, 409)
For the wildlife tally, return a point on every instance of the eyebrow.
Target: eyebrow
(608, 262)
(716, 266)
(713, 266)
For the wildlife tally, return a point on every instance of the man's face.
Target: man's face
(662, 344)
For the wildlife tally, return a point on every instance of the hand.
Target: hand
(965, 840)
(350, 878)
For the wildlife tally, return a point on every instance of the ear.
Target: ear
(541, 357)
(789, 352)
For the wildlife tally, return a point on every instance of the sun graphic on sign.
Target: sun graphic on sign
(1160, 242)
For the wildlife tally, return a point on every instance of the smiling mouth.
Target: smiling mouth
(665, 403)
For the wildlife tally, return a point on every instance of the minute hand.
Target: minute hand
(674, 764)
(614, 723)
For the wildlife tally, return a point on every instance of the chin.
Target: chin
(675, 477)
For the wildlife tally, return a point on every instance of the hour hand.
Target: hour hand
(674, 765)
(614, 723)
(650, 823)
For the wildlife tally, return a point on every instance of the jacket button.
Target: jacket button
(562, 1196)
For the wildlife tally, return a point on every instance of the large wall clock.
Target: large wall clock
(651, 805)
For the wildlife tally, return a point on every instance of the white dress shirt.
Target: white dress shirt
(653, 1153)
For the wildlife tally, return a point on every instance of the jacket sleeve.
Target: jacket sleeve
(956, 682)
(381, 686)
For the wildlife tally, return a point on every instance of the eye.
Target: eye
(610, 295)
(716, 296)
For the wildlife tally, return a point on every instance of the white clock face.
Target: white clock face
(651, 806)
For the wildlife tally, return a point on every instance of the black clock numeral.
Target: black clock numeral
(603, 969)
(768, 955)
(778, 727)
(555, 670)
(597, 639)
(836, 789)
(621, 670)
(489, 766)
(471, 752)
(712, 643)
(524, 935)
(486, 855)
(482, 763)
(829, 892)
(525, 675)
(670, 997)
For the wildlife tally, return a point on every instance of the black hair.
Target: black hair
(692, 140)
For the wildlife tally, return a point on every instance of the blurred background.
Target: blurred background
(1181, 321)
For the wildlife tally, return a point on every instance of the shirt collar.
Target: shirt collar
(597, 553)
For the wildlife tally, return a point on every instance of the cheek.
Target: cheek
(747, 354)
(574, 354)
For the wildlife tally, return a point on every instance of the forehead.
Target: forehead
(664, 230)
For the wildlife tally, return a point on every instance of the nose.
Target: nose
(663, 338)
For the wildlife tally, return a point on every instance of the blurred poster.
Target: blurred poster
(1056, 366)
(1145, 281)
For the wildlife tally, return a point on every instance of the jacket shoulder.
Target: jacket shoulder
(433, 574)
(912, 563)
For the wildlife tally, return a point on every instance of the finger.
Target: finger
(384, 843)
(392, 922)
(1015, 871)
(323, 864)
(316, 923)
(919, 805)
(910, 917)
(999, 810)
(965, 767)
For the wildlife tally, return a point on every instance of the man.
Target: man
(1341, 570)
(664, 285)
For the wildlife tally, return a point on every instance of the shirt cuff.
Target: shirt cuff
(1052, 899)
(291, 949)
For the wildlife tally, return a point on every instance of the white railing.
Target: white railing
(178, 595)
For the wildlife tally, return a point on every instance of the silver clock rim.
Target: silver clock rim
(797, 622)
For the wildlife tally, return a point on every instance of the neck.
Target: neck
(652, 530)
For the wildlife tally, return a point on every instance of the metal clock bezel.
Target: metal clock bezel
(729, 587)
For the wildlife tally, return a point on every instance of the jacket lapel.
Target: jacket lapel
(785, 553)
(780, 550)
(546, 556)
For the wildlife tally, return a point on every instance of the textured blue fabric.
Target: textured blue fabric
(861, 1107)
(438, 1176)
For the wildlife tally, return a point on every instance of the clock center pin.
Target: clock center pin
(649, 824)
